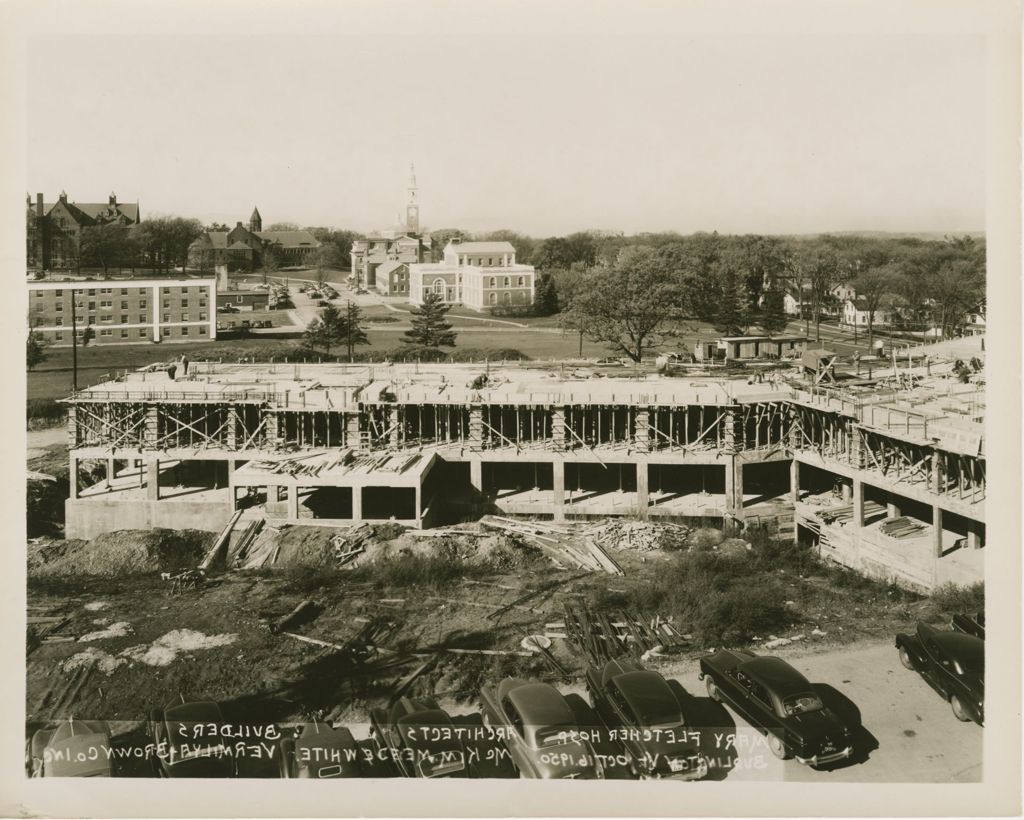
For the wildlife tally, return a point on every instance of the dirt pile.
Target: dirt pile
(122, 552)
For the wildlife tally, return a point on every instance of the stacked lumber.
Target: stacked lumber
(638, 535)
(902, 527)
(244, 556)
(564, 546)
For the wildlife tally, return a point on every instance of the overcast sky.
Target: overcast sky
(545, 133)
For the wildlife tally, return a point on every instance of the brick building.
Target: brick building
(124, 311)
(54, 230)
(243, 248)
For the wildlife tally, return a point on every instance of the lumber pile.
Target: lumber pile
(843, 514)
(352, 544)
(303, 466)
(244, 556)
(638, 535)
(601, 636)
(561, 543)
(902, 527)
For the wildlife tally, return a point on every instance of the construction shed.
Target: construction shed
(759, 347)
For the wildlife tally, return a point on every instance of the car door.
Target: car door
(939, 669)
(741, 686)
(624, 718)
(762, 712)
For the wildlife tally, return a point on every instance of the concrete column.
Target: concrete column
(419, 506)
(153, 480)
(729, 430)
(72, 427)
(847, 492)
(937, 530)
(476, 428)
(558, 431)
(357, 503)
(892, 510)
(738, 486)
(72, 477)
(293, 502)
(111, 470)
(973, 537)
(936, 477)
(558, 488)
(152, 425)
(642, 488)
(858, 503)
(352, 430)
(232, 431)
(642, 429)
(394, 427)
(730, 485)
(794, 480)
(476, 474)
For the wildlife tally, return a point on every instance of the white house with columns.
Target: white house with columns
(479, 275)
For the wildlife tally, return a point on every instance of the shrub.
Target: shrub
(949, 599)
(737, 614)
(45, 412)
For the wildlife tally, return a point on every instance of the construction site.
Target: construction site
(885, 474)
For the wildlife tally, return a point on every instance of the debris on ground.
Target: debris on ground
(640, 536)
(104, 661)
(95, 606)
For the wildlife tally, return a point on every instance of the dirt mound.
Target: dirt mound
(304, 546)
(122, 552)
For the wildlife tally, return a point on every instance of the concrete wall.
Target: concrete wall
(87, 518)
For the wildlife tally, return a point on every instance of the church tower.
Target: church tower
(412, 210)
(255, 221)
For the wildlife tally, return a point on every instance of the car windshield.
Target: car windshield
(800, 704)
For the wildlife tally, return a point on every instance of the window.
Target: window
(92, 318)
(92, 291)
(165, 291)
(142, 303)
(59, 321)
(124, 333)
(202, 317)
(521, 281)
(58, 336)
(167, 317)
(124, 291)
(142, 332)
(106, 331)
(124, 319)
(39, 293)
(184, 317)
(494, 298)
(184, 331)
(107, 317)
(184, 302)
(494, 282)
(106, 303)
(202, 330)
(59, 307)
(167, 303)
(106, 290)
(239, 299)
(124, 305)
(59, 292)
(142, 318)
(166, 331)
(92, 306)
(202, 303)
(490, 261)
(507, 281)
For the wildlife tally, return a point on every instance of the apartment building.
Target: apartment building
(124, 311)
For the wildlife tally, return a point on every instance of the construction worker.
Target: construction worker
(172, 368)
(184, 365)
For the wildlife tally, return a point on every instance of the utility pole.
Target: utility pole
(74, 344)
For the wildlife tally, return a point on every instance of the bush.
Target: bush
(436, 572)
(949, 599)
(737, 614)
(45, 412)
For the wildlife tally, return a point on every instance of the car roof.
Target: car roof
(960, 645)
(202, 711)
(540, 704)
(775, 675)
(617, 667)
(647, 693)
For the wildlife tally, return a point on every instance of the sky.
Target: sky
(539, 129)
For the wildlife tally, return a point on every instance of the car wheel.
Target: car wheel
(777, 747)
(958, 709)
(905, 658)
(712, 688)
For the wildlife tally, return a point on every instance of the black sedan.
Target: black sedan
(952, 663)
(643, 715)
(420, 738)
(190, 740)
(319, 750)
(779, 702)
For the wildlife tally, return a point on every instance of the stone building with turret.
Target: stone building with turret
(244, 247)
(54, 229)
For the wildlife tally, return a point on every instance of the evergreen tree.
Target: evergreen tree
(429, 327)
(730, 317)
(773, 309)
(326, 332)
(546, 296)
(34, 349)
(349, 329)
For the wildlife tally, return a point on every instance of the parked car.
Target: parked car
(420, 738)
(539, 730)
(971, 624)
(189, 742)
(319, 750)
(227, 309)
(610, 360)
(952, 663)
(644, 716)
(74, 748)
(779, 702)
